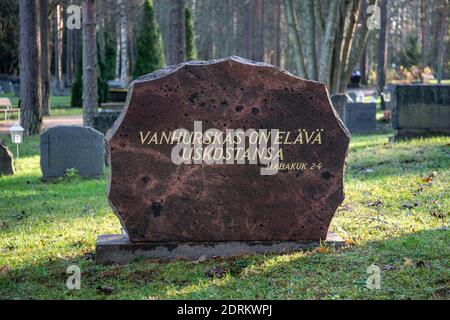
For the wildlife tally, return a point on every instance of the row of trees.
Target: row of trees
(323, 40)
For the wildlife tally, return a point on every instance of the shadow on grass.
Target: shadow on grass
(413, 266)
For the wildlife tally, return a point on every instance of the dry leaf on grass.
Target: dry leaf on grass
(408, 263)
(4, 269)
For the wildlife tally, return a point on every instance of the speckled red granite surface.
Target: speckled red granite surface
(157, 200)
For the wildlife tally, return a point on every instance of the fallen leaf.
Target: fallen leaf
(408, 262)
(349, 242)
(429, 178)
(199, 260)
(215, 272)
(4, 269)
(375, 204)
(60, 256)
(388, 267)
(322, 249)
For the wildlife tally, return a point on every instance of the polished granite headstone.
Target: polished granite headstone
(165, 204)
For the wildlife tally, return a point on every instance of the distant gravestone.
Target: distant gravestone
(223, 157)
(67, 147)
(6, 160)
(339, 100)
(360, 117)
(421, 110)
(104, 119)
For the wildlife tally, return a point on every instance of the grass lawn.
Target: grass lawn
(59, 105)
(396, 216)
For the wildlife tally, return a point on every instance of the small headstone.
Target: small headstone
(421, 110)
(117, 95)
(6, 160)
(360, 117)
(339, 100)
(104, 119)
(388, 92)
(173, 187)
(72, 147)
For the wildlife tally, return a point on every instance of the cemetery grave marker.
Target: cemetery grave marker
(421, 110)
(223, 157)
(360, 117)
(67, 147)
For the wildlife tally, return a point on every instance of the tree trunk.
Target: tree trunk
(30, 91)
(90, 98)
(70, 53)
(278, 34)
(363, 66)
(292, 21)
(58, 47)
(441, 45)
(361, 35)
(422, 31)
(249, 29)
(381, 50)
(44, 57)
(258, 31)
(123, 43)
(117, 64)
(327, 44)
(177, 32)
(310, 38)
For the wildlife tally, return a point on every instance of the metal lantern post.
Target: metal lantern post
(17, 135)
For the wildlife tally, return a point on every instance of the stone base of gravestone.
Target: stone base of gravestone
(6, 160)
(118, 249)
(421, 111)
(360, 117)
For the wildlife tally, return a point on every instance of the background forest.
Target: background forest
(324, 40)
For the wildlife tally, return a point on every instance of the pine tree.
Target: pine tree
(149, 47)
(76, 98)
(410, 56)
(191, 53)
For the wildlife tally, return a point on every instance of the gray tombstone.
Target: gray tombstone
(421, 110)
(360, 117)
(67, 147)
(339, 100)
(6, 160)
(105, 119)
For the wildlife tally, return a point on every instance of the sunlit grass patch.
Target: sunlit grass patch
(395, 215)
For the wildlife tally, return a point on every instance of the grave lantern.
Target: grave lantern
(17, 135)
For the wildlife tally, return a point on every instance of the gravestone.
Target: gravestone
(388, 92)
(6, 160)
(339, 100)
(67, 147)
(421, 110)
(360, 117)
(104, 119)
(220, 158)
